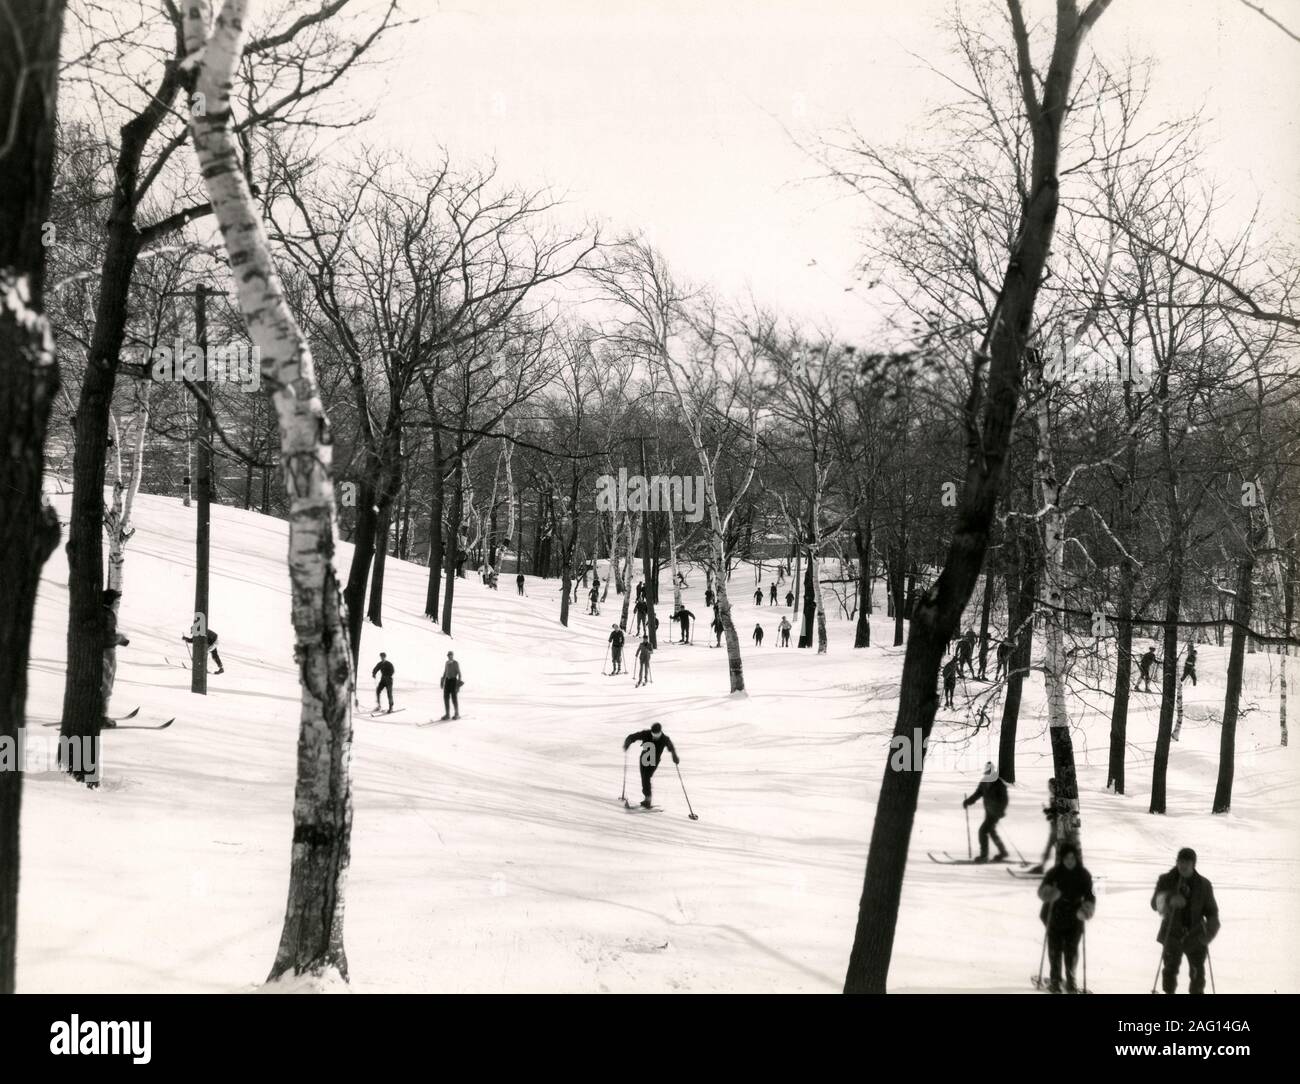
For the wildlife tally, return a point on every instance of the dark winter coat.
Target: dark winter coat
(1194, 924)
(652, 748)
(384, 669)
(1075, 886)
(616, 638)
(112, 638)
(994, 795)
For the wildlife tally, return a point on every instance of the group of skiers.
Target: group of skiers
(1148, 662)
(1183, 898)
(450, 683)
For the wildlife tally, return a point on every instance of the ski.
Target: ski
(1024, 874)
(638, 808)
(949, 860)
(117, 719)
(142, 726)
(1041, 985)
(390, 711)
(433, 722)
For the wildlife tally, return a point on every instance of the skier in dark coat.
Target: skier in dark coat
(994, 793)
(519, 583)
(717, 631)
(1189, 665)
(1186, 901)
(384, 669)
(594, 596)
(949, 681)
(1004, 654)
(758, 597)
(966, 652)
(653, 743)
(1057, 814)
(641, 610)
(211, 637)
(1068, 902)
(773, 595)
(684, 618)
(643, 662)
(1145, 665)
(758, 635)
(451, 681)
(789, 598)
(616, 649)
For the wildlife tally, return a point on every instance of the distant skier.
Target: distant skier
(640, 590)
(653, 743)
(642, 662)
(451, 681)
(1068, 902)
(784, 629)
(966, 652)
(1145, 665)
(1189, 665)
(758, 635)
(773, 594)
(1004, 654)
(1191, 921)
(758, 597)
(717, 630)
(789, 598)
(210, 638)
(949, 681)
(616, 649)
(384, 669)
(593, 597)
(684, 619)
(708, 596)
(641, 609)
(1057, 814)
(112, 641)
(994, 793)
(519, 584)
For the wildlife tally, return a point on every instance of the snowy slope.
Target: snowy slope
(491, 854)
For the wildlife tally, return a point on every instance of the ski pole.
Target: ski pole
(684, 794)
(623, 792)
(969, 852)
(605, 661)
(1043, 955)
(1084, 990)
(1156, 977)
(1018, 854)
(1209, 960)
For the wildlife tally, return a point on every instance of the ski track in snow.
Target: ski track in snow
(492, 854)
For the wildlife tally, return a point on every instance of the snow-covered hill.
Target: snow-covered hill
(491, 853)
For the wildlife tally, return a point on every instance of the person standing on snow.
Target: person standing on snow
(642, 662)
(949, 681)
(384, 669)
(758, 635)
(994, 793)
(653, 743)
(684, 618)
(519, 584)
(1145, 665)
(1056, 813)
(789, 598)
(784, 629)
(758, 597)
(1186, 902)
(717, 630)
(773, 602)
(594, 597)
(210, 637)
(1004, 653)
(708, 596)
(616, 649)
(966, 652)
(1189, 665)
(451, 681)
(1068, 902)
(641, 610)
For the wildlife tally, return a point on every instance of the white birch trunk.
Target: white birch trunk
(672, 560)
(311, 940)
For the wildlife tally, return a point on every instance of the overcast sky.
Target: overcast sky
(676, 117)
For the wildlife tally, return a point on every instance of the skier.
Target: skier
(773, 594)
(640, 614)
(616, 649)
(949, 681)
(451, 681)
(1185, 899)
(1145, 663)
(1056, 814)
(384, 669)
(211, 637)
(1004, 654)
(717, 630)
(1189, 666)
(653, 743)
(994, 793)
(640, 590)
(784, 629)
(758, 597)
(789, 598)
(519, 583)
(758, 635)
(1068, 902)
(643, 662)
(965, 652)
(112, 641)
(593, 596)
(708, 596)
(684, 618)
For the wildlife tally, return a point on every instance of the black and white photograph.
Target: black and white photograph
(650, 497)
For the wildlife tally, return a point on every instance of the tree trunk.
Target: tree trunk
(203, 510)
(435, 533)
(1232, 698)
(312, 938)
(986, 608)
(1123, 677)
(363, 551)
(633, 537)
(862, 541)
(29, 381)
(936, 619)
(453, 540)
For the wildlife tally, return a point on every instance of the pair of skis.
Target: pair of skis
(945, 859)
(118, 723)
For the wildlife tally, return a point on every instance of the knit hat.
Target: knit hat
(990, 772)
(1187, 854)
